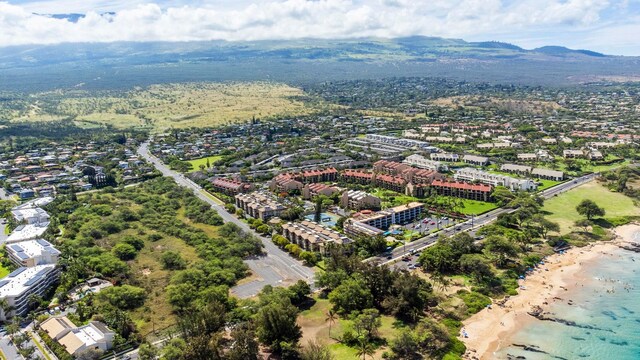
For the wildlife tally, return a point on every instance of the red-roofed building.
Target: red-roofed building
(361, 177)
(285, 183)
(311, 190)
(230, 186)
(316, 176)
(389, 182)
(465, 190)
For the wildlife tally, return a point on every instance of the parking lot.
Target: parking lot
(429, 224)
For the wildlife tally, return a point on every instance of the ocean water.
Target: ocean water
(602, 323)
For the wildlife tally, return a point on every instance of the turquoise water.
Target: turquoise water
(604, 318)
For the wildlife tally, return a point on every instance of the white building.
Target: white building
(32, 252)
(30, 215)
(74, 339)
(22, 283)
(470, 174)
(422, 162)
(27, 232)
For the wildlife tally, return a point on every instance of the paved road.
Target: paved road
(9, 349)
(276, 268)
(473, 225)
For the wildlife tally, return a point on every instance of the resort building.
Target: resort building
(573, 154)
(382, 220)
(406, 143)
(547, 174)
(356, 228)
(30, 215)
(32, 252)
(27, 232)
(259, 205)
(76, 340)
(516, 169)
(285, 183)
(361, 177)
(310, 191)
(476, 160)
(390, 182)
(422, 162)
(311, 236)
(527, 157)
(448, 157)
(464, 190)
(475, 175)
(359, 200)
(230, 186)
(18, 286)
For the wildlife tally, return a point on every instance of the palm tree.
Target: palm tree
(331, 318)
(364, 349)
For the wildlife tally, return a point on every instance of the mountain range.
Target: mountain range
(303, 60)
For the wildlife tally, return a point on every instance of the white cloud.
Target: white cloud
(172, 20)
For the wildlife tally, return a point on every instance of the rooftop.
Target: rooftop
(22, 279)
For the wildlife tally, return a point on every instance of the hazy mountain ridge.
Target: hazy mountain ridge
(127, 64)
(415, 48)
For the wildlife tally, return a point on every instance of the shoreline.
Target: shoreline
(490, 329)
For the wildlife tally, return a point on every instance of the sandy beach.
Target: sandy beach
(489, 329)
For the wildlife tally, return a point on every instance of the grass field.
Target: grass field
(477, 207)
(168, 105)
(562, 208)
(195, 163)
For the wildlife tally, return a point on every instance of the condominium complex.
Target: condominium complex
(311, 190)
(77, 339)
(475, 175)
(230, 186)
(406, 143)
(382, 220)
(27, 232)
(313, 237)
(31, 253)
(29, 215)
(18, 286)
(464, 190)
(359, 200)
(422, 162)
(476, 160)
(259, 205)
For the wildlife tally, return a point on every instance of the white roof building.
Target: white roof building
(470, 174)
(30, 215)
(27, 232)
(422, 162)
(22, 283)
(32, 252)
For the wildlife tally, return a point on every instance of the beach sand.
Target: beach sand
(490, 329)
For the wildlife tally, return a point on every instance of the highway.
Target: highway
(275, 268)
(473, 225)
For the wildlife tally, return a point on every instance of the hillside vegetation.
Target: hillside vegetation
(162, 106)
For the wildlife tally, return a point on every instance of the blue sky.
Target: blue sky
(609, 26)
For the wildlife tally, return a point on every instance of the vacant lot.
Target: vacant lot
(195, 163)
(164, 106)
(316, 327)
(562, 208)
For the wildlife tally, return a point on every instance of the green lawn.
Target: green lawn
(476, 207)
(391, 198)
(195, 163)
(3, 271)
(547, 184)
(562, 208)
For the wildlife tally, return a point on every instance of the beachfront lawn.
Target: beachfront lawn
(562, 208)
(195, 163)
